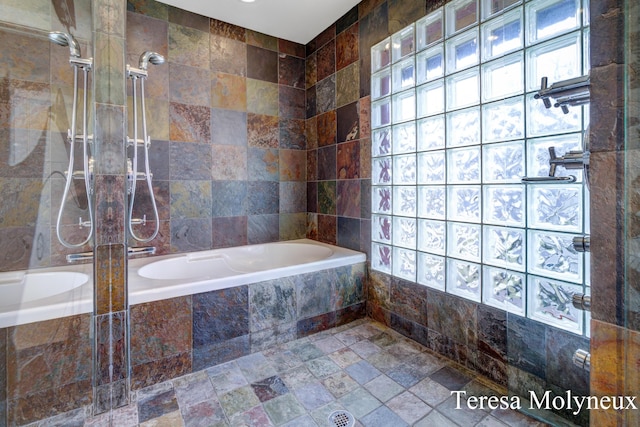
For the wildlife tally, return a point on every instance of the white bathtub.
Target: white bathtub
(170, 276)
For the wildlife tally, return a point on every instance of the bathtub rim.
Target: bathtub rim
(172, 288)
(142, 290)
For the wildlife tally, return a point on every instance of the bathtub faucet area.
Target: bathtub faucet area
(83, 256)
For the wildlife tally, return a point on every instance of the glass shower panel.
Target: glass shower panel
(40, 218)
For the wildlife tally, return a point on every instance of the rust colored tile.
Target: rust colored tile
(326, 60)
(312, 165)
(367, 6)
(325, 36)
(291, 102)
(311, 132)
(607, 100)
(292, 134)
(403, 13)
(189, 123)
(291, 71)
(228, 55)
(607, 350)
(605, 192)
(47, 403)
(293, 165)
(364, 113)
(189, 19)
(103, 349)
(227, 30)
(348, 195)
(348, 128)
(311, 70)
(311, 102)
(157, 371)
(149, 7)
(160, 329)
(291, 48)
(262, 40)
(348, 161)
(365, 158)
(42, 356)
(228, 92)
(327, 229)
(262, 131)
(262, 64)
(606, 418)
(327, 128)
(347, 47)
(110, 292)
(312, 226)
(348, 84)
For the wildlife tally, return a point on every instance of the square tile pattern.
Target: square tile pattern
(382, 378)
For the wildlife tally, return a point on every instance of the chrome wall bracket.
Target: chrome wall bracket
(582, 359)
(581, 302)
(566, 93)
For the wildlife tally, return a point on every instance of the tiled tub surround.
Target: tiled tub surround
(50, 368)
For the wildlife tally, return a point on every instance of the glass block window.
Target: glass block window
(455, 127)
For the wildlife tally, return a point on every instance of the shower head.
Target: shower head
(66, 39)
(153, 57)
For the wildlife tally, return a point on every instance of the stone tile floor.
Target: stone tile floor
(382, 378)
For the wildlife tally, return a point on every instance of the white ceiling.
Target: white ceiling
(294, 20)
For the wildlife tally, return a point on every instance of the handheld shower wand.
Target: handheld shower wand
(65, 39)
(134, 74)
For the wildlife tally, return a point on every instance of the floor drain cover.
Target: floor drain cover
(341, 419)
